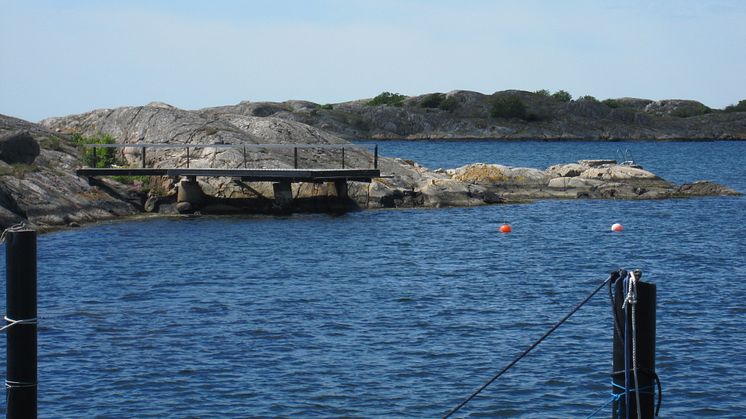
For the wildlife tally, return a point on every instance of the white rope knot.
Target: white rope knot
(13, 229)
(12, 322)
(631, 297)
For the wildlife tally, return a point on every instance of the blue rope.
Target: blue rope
(614, 398)
(642, 390)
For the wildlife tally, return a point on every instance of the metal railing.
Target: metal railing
(242, 147)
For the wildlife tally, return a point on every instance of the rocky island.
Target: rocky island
(38, 162)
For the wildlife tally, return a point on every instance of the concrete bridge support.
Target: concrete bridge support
(283, 195)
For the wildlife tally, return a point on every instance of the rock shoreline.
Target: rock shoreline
(38, 184)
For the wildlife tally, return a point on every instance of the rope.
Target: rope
(534, 345)
(614, 398)
(16, 322)
(13, 229)
(18, 384)
(633, 303)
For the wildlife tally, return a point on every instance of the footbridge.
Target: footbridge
(303, 170)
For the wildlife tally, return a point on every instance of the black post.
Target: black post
(143, 157)
(343, 157)
(375, 157)
(20, 261)
(244, 158)
(95, 158)
(187, 157)
(644, 343)
(295, 157)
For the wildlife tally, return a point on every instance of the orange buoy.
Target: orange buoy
(616, 227)
(506, 228)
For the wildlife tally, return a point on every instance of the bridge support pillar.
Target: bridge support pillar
(283, 195)
(341, 186)
(189, 195)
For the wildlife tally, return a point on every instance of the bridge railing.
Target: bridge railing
(241, 147)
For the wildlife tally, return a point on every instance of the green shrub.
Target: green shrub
(562, 96)
(543, 92)
(387, 98)
(686, 113)
(740, 107)
(327, 106)
(432, 100)
(613, 104)
(104, 156)
(588, 98)
(51, 143)
(449, 104)
(130, 180)
(18, 170)
(508, 107)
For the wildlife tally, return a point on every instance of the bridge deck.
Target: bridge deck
(251, 175)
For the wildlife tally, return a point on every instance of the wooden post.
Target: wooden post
(343, 157)
(644, 342)
(375, 157)
(295, 157)
(143, 157)
(187, 157)
(20, 260)
(95, 158)
(244, 157)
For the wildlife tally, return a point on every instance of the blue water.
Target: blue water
(398, 313)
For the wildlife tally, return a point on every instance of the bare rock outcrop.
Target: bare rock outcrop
(599, 179)
(44, 191)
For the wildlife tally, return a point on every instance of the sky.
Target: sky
(64, 57)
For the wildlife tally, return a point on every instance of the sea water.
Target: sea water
(399, 313)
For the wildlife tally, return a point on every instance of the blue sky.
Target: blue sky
(63, 57)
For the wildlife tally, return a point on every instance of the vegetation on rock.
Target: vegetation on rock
(589, 98)
(387, 98)
(740, 107)
(612, 103)
(562, 96)
(439, 101)
(104, 156)
(510, 106)
(687, 112)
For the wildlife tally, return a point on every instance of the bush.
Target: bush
(449, 104)
(613, 104)
(740, 107)
(433, 100)
(130, 180)
(562, 96)
(508, 107)
(686, 113)
(327, 106)
(104, 156)
(589, 98)
(387, 98)
(542, 92)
